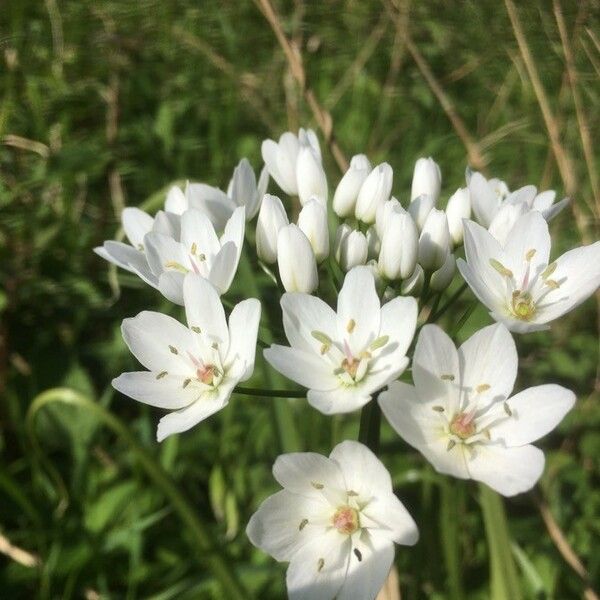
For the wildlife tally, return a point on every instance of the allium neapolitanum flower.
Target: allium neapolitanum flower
(336, 521)
(488, 196)
(344, 358)
(198, 251)
(193, 369)
(460, 416)
(518, 283)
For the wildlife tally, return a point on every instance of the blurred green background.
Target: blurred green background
(105, 103)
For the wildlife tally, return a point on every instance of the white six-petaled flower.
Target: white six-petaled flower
(517, 281)
(344, 358)
(459, 414)
(191, 370)
(335, 521)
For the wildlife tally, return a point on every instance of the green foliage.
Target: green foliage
(106, 103)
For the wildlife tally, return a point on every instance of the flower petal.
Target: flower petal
(365, 577)
(212, 201)
(489, 358)
(224, 267)
(162, 250)
(170, 284)
(509, 471)
(318, 569)
(399, 321)
(159, 342)
(309, 370)
(304, 314)
(435, 369)
(198, 234)
(182, 420)
(395, 522)
(529, 237)
(136, 224)
(203, 309)
(484, 201)
(535, 412)
(338, 400)
(358, 309)
(164, 392)
(278, 527)
(243, 331)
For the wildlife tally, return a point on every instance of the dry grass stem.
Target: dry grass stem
(18, 554)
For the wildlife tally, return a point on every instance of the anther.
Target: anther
(173, 350)
(507, 409)
(549, 270)
(303, 524)
(498, 266)
(379, 342)
(450, 445)
(439, 409)
(447, 377)
(324, 339)
(186, 383)
(320, 564)
(530, 254)
(358, 554)
(552, 283)
(352, 493)
(196, 329)
(317, 486)
(483, 387)
(172, 264)
(140, 247)
(194, 248)
(351, 325)
(161, 375)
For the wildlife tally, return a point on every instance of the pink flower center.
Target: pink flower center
(463, 425)
(206, 374)
(345, 520)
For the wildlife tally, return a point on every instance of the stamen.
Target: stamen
(451, 444)
(496, 264)
(351, 325)
(320, 564)
(303, 524)
(549, 270)
(194, 248)
(530, 254)
(196, 329)
(161, 375)
(483, 387)
(140, 247)
(358, 554)
(447, 377)
(439, 409)
(186, 383)
(507, 409)
(173, 349)
(317, 486)
(324, 339)
(352, 493)
(551, 283)
(346, 520)
(172, 264)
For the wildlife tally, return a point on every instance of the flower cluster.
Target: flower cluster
(384, 265)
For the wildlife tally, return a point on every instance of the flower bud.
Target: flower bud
(414, 284)
(353, 249)
(442, 278)
(383, 212)
(399, 247)
(296, 261)
(313, 223)
(427, 179)
(312, 182)
(373, 243)
(458, 208)
(271, 218)
(419, 208)
(374, 191)
(280, 159)
(434, 242)
(346, 193)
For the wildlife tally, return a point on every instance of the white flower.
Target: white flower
(132, 257)
(191, 370)
(346, 193)
(399, 246)
(296, 261)
(336, 521)
(244, 190)
(488, 196)
(374, 191)
(460, 415)
(427, 179)
(281, 158)
(351, 247)
(434, 241)
(517, 281)
(344, 358)
(414, 284)
(199, 251)
(384, 210)
(312, 220)
(457, 209)
(312, 182)
(271, 218)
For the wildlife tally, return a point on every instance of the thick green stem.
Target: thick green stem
(370, 422)
(207, 549)
(503, 572)
(441, 311)
(450, 500)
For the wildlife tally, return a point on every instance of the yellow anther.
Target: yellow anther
(379, 342)
(447, 377)
(507, 409)
(552, 283)
(483, 387)
(317, 486)
(194, 248)
(172, 264)
(549, 270)
(498, 266)
(351, 325)
(530, 254)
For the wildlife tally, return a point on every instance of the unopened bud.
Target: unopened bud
(312, 182)
(427, 179)
(442, 278)
(458, 208)
(346, 193)
(434, 242)
(296, 261)
(419, 209)
(313, 223)
(414, 284)
(399, 247)
(271, 218)
(353, 250)
(374, 191)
